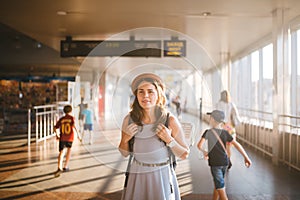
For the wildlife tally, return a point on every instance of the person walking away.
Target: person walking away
(177, 104)
(218, 160)
(88, 123)
(232, 118)
(154, 134)
(66, 126)
(80, 116)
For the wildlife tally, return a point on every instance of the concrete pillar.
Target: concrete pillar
(225, 70)
(280, 67)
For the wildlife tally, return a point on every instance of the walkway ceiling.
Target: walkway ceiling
(222, 27)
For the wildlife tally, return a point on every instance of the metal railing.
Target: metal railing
(45, 118)
(290, 131)
(256, 130)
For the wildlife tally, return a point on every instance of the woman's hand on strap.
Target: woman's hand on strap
(164, 133)
(127, 134)
(130, 131)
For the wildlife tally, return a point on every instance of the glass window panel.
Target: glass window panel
(255, 66)
(267, 77)
(268, 62)
(254, 79)
(298, 74)
(298, 54)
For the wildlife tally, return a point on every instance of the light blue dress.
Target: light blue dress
(151, 182)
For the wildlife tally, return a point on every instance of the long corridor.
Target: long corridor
(97, 170)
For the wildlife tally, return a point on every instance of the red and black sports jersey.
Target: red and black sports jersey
(66, 125)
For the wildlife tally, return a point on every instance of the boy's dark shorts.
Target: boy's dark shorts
(88, 127)
(63, 144)
(218, 173)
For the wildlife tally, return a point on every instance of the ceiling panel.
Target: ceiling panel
(228, 26)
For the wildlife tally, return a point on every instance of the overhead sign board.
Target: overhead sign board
(175, 48)
(133, 48)
(111, 48)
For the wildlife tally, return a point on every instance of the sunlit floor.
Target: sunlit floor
(97, 170)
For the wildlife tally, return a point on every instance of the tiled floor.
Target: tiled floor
(97, 172)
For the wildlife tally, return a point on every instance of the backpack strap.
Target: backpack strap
(127, 169)
(167, 120)
(131, 141)
(172, 158)
(219, 139)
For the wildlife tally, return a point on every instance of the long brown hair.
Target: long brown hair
(137, 113)
(225, 96)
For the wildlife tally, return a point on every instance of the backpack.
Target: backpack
(172, 158)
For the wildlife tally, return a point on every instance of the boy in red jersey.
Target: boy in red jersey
(66, 126)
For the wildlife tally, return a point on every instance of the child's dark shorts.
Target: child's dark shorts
(63, 144)
(88, 127)
(218, 173)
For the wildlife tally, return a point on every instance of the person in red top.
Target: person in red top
(66, 126)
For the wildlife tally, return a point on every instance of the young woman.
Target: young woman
(231, 119)
(154, 132)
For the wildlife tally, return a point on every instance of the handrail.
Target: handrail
(45, 106)
(257, 131)
(290, 121)
(45, 118)
(263, 119)
(257, 111)
(290, 116)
